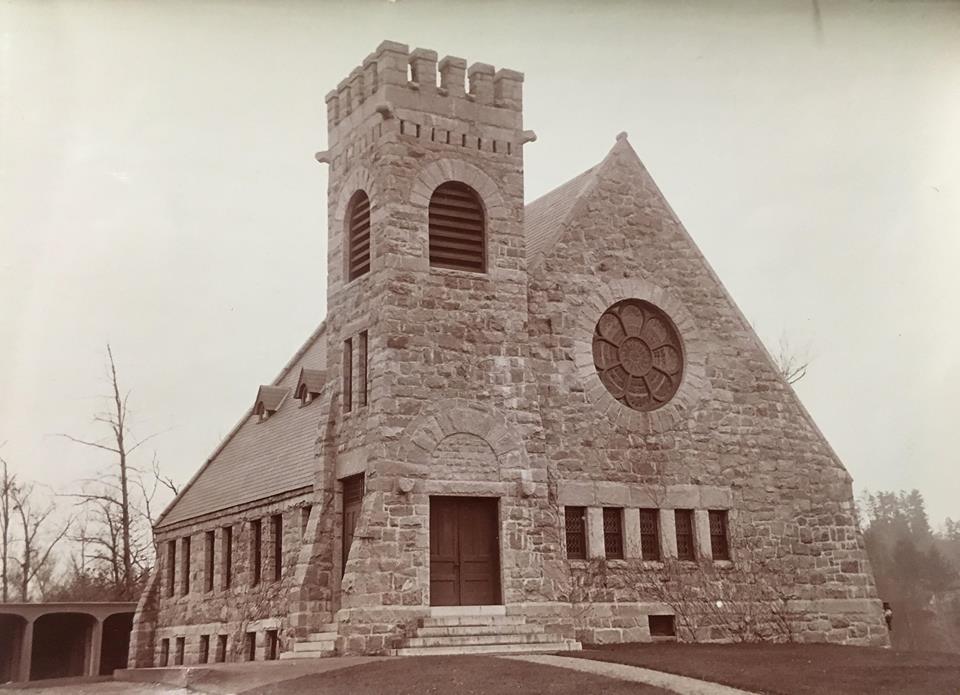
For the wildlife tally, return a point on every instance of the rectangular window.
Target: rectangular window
(272, 643)
(256, 542)
(221, 649)
(661, 626)
(185, 567)
(613, 533)
(204, 649)
(171, 567)
(164, 652)
(251, 646)
(226, 556)
(276, 527)
(304, 520)
(178, 655)
(684, 523)
(209, 548)
(362, 365)
(347, 375)
(650, 534)
(575, 519)
(719, 540)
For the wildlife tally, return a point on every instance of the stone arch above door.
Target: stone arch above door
(443, 424)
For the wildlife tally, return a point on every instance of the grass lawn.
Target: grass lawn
(796, 669)
(460, 675)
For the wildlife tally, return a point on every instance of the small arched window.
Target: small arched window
(457, 228)
(358, 236)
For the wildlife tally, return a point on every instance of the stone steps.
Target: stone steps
(543, 647)
(454, 630)
(453, 620)
(478, 640)
(479, 630)
(316, 645)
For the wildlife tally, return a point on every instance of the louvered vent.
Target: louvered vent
(457, 228)
(358, 235)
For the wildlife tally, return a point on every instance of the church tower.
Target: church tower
(434, 409)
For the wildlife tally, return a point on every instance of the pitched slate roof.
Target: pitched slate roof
(259, 459)
(544, 217)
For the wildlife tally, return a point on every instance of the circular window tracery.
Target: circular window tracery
(638, 354)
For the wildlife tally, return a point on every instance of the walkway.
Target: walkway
(634, 674)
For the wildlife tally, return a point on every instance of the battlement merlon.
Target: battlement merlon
(408, 80)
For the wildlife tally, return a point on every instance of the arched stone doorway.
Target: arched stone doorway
(12, 628)
(61, 645)
(116, 642)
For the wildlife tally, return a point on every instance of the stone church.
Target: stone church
(520, 427)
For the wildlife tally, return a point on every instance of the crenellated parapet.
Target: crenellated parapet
(394, 79)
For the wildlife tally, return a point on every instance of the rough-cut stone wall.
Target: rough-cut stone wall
(735, 424)
(435, 334)
(233, 611)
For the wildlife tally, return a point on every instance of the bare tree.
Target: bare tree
(792, 364)
(35, 555)
(7, 487)
(117, 501)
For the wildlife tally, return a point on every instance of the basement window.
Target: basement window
(164, 651)
(221, 649)
(272, 644)
(204, 649)
(661, 626)
(178, 655)
(251, 646)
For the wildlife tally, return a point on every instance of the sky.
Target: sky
(158, 191)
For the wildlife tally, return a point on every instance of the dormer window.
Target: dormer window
(309, 385)
(457, 228)
(269, 399)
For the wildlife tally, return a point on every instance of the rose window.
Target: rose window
(638, 354)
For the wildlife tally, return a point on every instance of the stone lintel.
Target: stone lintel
(586, 493)
(351, 463)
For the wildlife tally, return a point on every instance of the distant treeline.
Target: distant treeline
(917, 569)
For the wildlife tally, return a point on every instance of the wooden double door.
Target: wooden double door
(464, 551)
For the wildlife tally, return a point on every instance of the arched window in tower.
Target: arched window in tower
(457, 228)
(358, 236)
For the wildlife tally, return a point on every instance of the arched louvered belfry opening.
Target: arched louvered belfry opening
(457, 228)
(358, 236)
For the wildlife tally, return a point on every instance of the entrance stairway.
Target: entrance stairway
(479, 630)
(316, 645)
